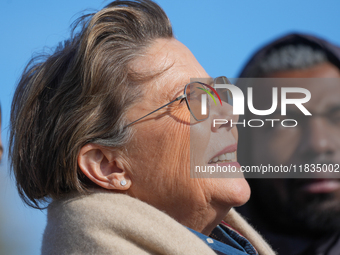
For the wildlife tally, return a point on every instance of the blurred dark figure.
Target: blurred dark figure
(297, 216)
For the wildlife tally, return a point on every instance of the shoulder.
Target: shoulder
(110, 223)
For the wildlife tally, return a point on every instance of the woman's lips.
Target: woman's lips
(227, 155)
(321, 186)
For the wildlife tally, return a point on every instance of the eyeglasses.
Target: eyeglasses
(197, 101)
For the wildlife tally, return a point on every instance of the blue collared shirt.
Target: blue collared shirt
(225, 241)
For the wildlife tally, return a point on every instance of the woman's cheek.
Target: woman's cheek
(200, 143)
(177, 134)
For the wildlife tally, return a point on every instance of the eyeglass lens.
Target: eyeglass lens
(200, 96)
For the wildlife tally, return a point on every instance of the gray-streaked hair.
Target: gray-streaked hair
(80, 95)
(289, 57)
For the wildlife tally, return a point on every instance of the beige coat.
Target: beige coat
(111, 223)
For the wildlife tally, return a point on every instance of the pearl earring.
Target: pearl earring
(123, 182)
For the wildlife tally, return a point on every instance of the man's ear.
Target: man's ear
(103, 167)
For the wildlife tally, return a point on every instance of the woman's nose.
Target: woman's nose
(222, 116)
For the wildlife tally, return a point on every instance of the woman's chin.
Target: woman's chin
(243, 192)
(236, 190)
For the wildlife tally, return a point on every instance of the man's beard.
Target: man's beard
(315, 213)
(301, 213)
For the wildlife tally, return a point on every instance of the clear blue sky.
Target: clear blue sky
(221, 34)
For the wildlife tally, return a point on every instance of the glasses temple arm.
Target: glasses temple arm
(178, 98)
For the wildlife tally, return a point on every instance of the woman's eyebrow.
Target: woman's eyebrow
(178, 90)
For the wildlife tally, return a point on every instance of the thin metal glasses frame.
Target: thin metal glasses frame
(184, 96)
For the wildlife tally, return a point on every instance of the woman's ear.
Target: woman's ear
(103, 167)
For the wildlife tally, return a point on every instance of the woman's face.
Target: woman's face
(159, 153)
